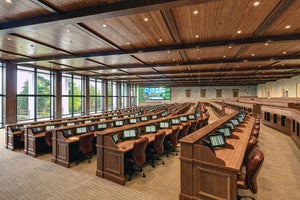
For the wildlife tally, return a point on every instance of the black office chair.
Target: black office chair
(247, 181)
(85, 147)
(138, 156)
(184, 131)
(156, 149)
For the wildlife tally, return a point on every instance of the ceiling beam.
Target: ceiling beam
(177, 47)
(102, 11)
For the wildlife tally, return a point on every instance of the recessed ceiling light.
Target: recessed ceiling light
(128, 43)
(8, 38)
(68, 30)
(197, 49)
(266, 44)
(288, 26)
(174, 59)
(160, 39)
(198, 58)
(224, 56)
(146, 19)
(253, 54)
(196, 36)
(195, 12)
(259, 65)
(230, 47)
(169, 52)
(104, 25)
(8, 1)
(282, 64)
(239, 32)
(256, 3)
(284, 52)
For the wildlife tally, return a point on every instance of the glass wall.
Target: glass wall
(133, 92)
(72, 95)
(2, 81)
(112, 95)
(96, 95)
(124, 95)
(35, 98)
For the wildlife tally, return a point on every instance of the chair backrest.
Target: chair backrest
(199, 124)
(184, 131)
(48, 138)
(192, 127)
(254, 164)
(174, 136)
(85, 143)
(251, 144)
(159, 142)
(138, 152)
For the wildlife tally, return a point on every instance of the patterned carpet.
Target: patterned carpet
(23, 177)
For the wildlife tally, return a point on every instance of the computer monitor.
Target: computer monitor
(119, 123)
(14, 128)
(115, 117)
(125, 116)
(154, 116)
(49, 127)
(133, 120)
(115, 138)
(70, 123)
(87, 121)
(136, 114)
(164, 125)
(128, 134)
(163, 114)
(67, 133)
(241, 118)
(143, 119)
(235, 122)
(225, 130)
(217, 140)
(191, 117)
(183, 119)
(91, 128)
(175, 121)
(150, 129)
(102, 119)
(81, 130)
(36, 130)
(229, 124)
(198, 115)
(101, 126)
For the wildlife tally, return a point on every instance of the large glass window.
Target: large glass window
(124, 95)
(35, 98)
(72, 95)
(96, 95)
(112, 95)
(2, 94)
(133, 91)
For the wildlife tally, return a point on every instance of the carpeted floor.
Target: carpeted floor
(23, 177)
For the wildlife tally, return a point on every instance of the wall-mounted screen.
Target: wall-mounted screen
(154, 94)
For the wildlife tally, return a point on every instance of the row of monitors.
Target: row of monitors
(218, 139)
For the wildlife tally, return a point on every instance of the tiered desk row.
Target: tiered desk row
(108, 131)
(208, 173)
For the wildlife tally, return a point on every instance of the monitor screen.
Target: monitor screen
(125, 116)
(229, 124)
(87, 121)
(101, 126)
(133, 121)
(240, 118)
(102, 119)
(119, 123)
(14, 128)
(150, 129)
(143, 119)
(154, 116)
(36, 130)
(136, 114)
(175, 121)
(49, 127)
(217, 140)
(67, 133)
(115, 117)
(81, 130)
(70, 123)
(235, 122)
(164, 125)
(164, 114)
(92, 128)
(225, 130)
(183, 118)
(127, 134)
(191, 117)
(198, 115)
(115, 138)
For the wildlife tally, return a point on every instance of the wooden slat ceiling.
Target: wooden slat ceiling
(157, 42)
